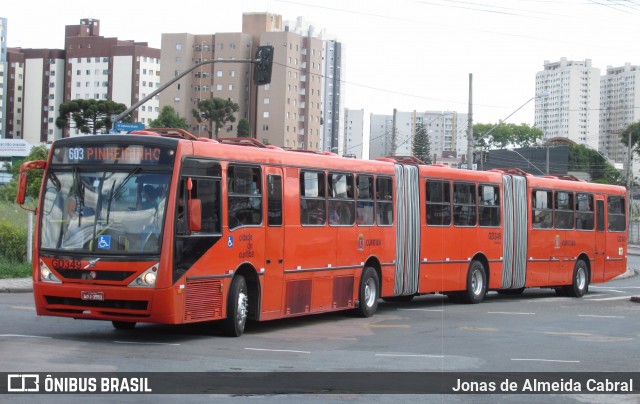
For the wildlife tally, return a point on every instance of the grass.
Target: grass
(14, 215)
(17, 217)
(10, 269)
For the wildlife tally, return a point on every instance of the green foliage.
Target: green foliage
(422, 144)
(634, 131)
(88, 116)
(34, 177)
(169, 118)
(13, 243)
(582, 158)
(244, 128)
(490, 136)
(12, 269)
(217, 112)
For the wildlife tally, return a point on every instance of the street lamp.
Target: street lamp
(543, 94)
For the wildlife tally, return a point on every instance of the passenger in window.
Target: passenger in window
(334, 213)
(149, 198)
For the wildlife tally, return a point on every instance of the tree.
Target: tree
(422, 144)
(491, 136)
(34, 177)
(217, 112)
(582, 158)
(244, 128)
(169, 118)
(88, 116)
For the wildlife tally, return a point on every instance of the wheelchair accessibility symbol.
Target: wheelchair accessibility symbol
(104, 242)
(230, 242)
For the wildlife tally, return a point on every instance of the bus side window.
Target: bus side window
(244, 190)
(542, 209)
(313, 204)
(489, 205)
(384, 201)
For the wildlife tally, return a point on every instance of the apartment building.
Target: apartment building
(34, 94)
(287, 112)
(619, 107)
(3, 70)
(570, 108)
(102, 68)
(393, 135)
(333, 131)
(353, 133)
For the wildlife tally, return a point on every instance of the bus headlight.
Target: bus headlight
(46, 275)
(147, 279)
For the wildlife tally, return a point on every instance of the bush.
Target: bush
(13, 243)
(10, 269)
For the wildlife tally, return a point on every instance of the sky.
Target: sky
(403, 54)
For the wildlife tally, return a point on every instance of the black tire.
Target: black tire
(511, 292)
(476, 283)
(368, 293)
(580, 284)
(399, 299)
(237, 309)
(123, 325)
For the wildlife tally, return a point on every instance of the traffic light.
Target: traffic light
(262, 70)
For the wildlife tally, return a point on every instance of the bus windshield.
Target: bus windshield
(107, 212)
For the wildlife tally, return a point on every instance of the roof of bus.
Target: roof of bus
(254, 152)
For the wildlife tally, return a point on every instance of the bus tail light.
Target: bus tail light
(46, 275)
(147, 279)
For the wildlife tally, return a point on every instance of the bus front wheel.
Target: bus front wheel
(476, 283)
(237, 305)
(368, 293)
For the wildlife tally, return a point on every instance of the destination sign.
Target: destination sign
(114, 154)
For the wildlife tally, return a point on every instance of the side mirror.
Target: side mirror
(22, 178)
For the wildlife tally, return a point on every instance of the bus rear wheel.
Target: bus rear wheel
(237, 305)
(476, 283)
(580, 285)
(368, 293)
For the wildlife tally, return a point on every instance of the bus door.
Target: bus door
(597, 270)
(274, 243)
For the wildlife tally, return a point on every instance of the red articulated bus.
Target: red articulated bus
(162, 227)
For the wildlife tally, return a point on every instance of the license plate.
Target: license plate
(92, 295)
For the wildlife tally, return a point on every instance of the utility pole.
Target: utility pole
(470, 145)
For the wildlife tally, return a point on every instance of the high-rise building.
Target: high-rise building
(229, 81)
(570, 107)
(287, 112)
(333, 132)
(35, 92)
(3, 79)
(619, 107)
(103, 68)
(353, 133)
(393, 135)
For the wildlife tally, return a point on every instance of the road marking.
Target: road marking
(614, 287)
(543, 360)
(478, 329)
(23, 307)
(388, 326)
(420, 309)
(144, 343)
(411, 355)
(611, 298)
(276, 350)
(23, 336)
(593, 315)
(510, 312)
(575, 334)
